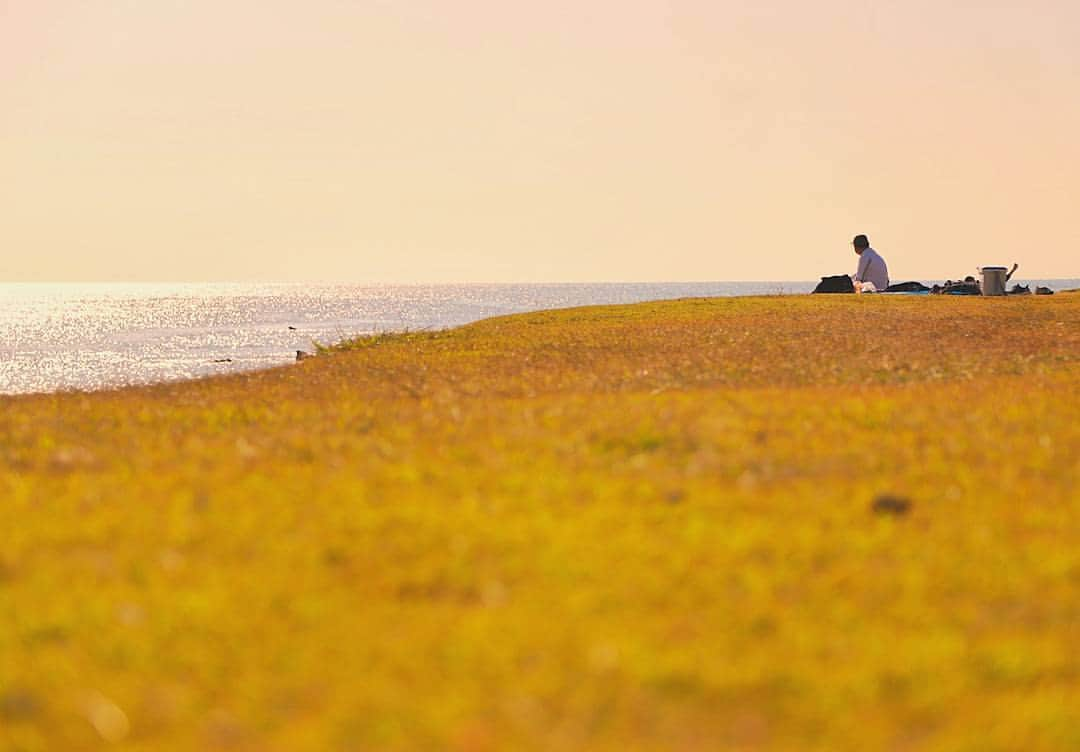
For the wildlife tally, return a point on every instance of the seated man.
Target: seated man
(872, 267)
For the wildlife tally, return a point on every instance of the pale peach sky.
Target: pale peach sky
(474, 140)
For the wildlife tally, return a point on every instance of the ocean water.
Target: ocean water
(92, 336)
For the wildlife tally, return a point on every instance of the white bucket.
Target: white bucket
(993, 280)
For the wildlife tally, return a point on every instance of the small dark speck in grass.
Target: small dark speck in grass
(48, 634)
(18, 704)
(897, 506)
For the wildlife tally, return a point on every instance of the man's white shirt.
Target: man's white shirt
(872, 268)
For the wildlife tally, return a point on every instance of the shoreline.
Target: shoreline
(286, 360)
(94, 336)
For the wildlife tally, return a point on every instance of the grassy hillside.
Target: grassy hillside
(765, 523)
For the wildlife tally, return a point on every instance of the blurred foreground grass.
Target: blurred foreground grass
(640, 527)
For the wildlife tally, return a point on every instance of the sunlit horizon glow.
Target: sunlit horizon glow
(565, 141)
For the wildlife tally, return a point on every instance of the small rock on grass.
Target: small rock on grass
(897, 506)
(18, 704)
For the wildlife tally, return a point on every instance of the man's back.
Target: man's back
(872, 268)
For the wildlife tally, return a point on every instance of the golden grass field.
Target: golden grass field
(646, 527)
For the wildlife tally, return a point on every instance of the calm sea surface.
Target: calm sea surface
(90, 336)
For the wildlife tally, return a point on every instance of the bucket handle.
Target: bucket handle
(1008, 276)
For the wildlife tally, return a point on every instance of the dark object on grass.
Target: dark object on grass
(967, 287)
(293, 328)
(1019, 289)
(963, 288)
(675, 496)
(907, 287)
(301, 355)
(1043, 291)
(889, 504)
(841, 283)
(18, 704)
(223, 360)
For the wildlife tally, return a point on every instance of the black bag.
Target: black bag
(907, 287)
(839, 283)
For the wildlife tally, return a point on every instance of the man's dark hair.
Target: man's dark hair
(861, 242)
